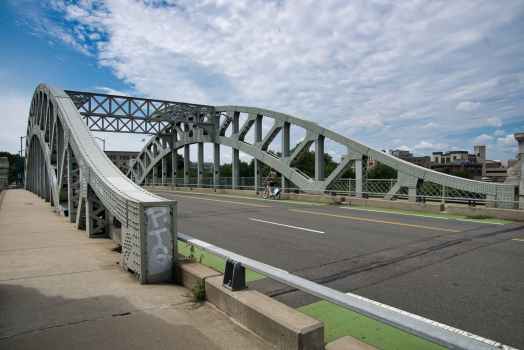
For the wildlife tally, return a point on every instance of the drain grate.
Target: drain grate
(28, 203)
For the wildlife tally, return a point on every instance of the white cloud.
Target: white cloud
(429, 127)
(507, 80)
(507, 142)
(499, 133)
(468, 106)
(483, 139)
(424, 146)
(494, 121)
(110, 91)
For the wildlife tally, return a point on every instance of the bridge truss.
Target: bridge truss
(66, 167)
(178, 125)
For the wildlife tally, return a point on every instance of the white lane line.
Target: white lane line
(482, 222)
(435, 323)
(388, 212)
(425, 216)
(298, 228)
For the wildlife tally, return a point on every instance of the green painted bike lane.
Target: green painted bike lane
(338, 321)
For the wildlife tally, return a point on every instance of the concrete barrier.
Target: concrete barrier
(495, 213)
(397, 205)
(275, 322)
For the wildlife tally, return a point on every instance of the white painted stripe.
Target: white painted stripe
(298, 228)
(388, 212)
(482, 222)
(425, 216)
(435, 323)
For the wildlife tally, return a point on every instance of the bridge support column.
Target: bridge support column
(97, 216)
(216, 164)
(186, 165)
(361, 180)
(155, 176)
(285, 152)
(174, 167)
(73, 185)
(319, 159)
(235, 168)
(200, 164)
(258, 175)
(164, 171)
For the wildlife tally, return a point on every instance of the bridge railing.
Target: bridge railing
(430, 330)
(377, 188)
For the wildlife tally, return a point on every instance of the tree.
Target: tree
(463, 173)
(446, 170)
(382, 171)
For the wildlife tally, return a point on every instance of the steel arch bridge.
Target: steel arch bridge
(66, 167)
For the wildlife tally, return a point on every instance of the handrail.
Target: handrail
(416, 326)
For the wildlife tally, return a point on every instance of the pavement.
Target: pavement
(61, 290)
(463, 273)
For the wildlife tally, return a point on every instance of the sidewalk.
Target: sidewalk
(61, 290)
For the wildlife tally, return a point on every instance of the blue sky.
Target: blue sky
(421, 75)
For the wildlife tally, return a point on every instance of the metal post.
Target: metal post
(319, 159)
(216, 164)
(186, 165)
(258, 164)
(174, 167)
(200, 180)
(164, 171)
(235, 164)
(285, 152)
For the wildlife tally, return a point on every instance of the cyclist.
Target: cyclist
(274, 179)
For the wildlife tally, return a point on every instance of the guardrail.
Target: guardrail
(434, 332)
(419, 198)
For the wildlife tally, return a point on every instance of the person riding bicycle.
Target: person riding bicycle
(274, 179)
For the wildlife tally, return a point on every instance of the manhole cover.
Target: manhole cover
(29, 204)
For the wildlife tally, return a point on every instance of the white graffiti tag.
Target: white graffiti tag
(158, 227)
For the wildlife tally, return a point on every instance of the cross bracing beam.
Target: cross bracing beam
(66, 167)
(410, 176)
(137, 115)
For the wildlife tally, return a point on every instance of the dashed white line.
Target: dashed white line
(298, 228)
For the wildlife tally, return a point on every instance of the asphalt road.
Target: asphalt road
(465, 274)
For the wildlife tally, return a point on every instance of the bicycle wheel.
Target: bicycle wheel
(265, 193)
(277, 196)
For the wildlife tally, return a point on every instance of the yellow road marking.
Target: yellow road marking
(518, 239)
(383, 222)
(214, 200)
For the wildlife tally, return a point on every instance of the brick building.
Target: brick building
(122, 159)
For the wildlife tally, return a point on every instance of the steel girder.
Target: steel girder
(137, 115)
(410, 176)
(67, 168)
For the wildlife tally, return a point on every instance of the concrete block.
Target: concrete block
(349, 343)
(188, 272)
(275, 322)
(495, 213)
(397, 205)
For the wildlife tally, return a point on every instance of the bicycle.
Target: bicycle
(276, 192)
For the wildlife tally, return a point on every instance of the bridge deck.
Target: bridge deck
(61, 290)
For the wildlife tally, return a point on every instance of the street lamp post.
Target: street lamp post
(20, 166)
(104, 141)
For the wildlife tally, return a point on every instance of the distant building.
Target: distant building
(424, 161)
(462, 160)
(371, 163)
(122, 159)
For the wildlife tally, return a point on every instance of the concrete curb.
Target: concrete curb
(273, 321)
(495, 213)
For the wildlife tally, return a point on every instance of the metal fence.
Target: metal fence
(430, 330)
(376, 188)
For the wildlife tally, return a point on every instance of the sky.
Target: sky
(423, 76)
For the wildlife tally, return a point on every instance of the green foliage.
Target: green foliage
(382, 171)
(481, 217)
(463, 173)
(446, 170)
(199, 296)
(192, 254)
(494, 179)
